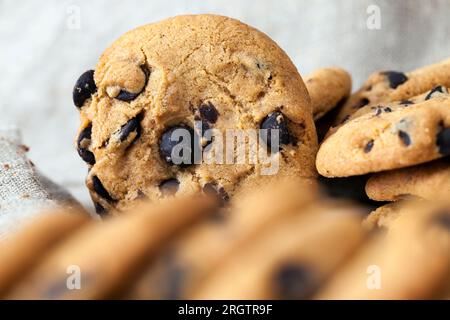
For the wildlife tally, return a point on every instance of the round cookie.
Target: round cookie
(182, 76)
(131, 240)
(388, 137)
(29, 245)
(428, 181)
(387, 86)
(290, 260)
(327, 88)
(409, 261)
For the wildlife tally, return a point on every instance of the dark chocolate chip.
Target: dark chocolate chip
(100, 189)
(443, 141)
(363, 102)
(440, 89)
(82, 142)
(443, 219)
(183, 137)
(404, 137)
(387, 109)
(368, 146)
(133, 125)
(99, 209)
(275, 121)
(294, 282)
(84, 88)
(127, 96)
(395, 78)
(208, 112)
(406, 102)
(169, 187)
(212, 189)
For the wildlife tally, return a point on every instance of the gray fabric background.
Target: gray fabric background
(41, 56)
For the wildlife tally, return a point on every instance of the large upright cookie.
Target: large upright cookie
(174, 77)
(387, 86)
(388, 137)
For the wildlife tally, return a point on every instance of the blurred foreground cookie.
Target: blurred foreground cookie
(327, 87)
(291, 259)
(156, 112)
(23, 250)
(389, 137)
(410, 261)
(429, 181)
(106, 255)
(187, 260)
(387, 86)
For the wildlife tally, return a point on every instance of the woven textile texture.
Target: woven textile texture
(24, 192)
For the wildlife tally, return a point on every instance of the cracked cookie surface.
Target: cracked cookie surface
(182, 73)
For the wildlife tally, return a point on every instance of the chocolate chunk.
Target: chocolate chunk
(406, 102)
(182, 137)
(83, 141)
(368, 146)
(439, 89)
(169, 187)
(363, 102)
(133, 125)
(443, 141)
(275, 121)
(99, 209)
(395, 78)
(208, 112)
(387, 109)
(100, 189)
(404, 137)
(84, 88)
(213, 189)
(294, 282)
(346, 118)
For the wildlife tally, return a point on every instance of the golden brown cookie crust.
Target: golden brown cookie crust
(327, 87)
(429, 181)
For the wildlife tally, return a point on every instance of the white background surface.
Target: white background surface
(41, 56)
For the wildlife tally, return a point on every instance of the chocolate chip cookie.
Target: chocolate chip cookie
(155, 111)
(389, 137)
(428, 181)
(193, 255)
(387, 86)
